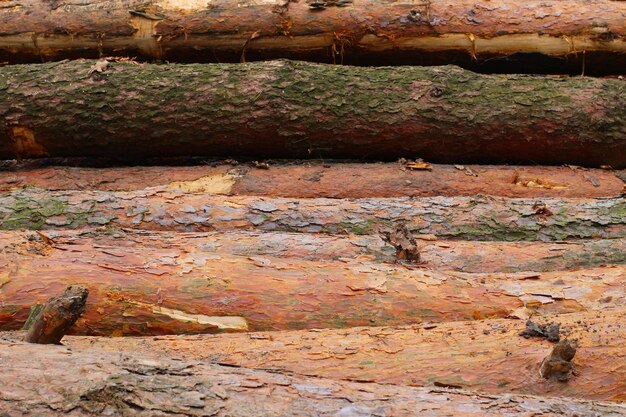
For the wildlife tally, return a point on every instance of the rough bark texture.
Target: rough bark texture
(57, 315)
(295, 109)
(462, 256)
(155, 290)
(95, 382)
(559, 363)
(303, 179)
(488, 355)
(472, 218)
(364, 30)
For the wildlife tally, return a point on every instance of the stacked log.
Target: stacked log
(474, 355)
(295, 109)
(337, 284)
(131, 384)
(353, 31)
(284, 267)
(315, 179)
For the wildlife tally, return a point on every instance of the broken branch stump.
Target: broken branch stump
(558, 364)
(57, 316)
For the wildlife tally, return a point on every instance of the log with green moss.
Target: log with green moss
(293, 109)
(470, 218)
(555, 35)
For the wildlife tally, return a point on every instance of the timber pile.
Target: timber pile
(147, 197)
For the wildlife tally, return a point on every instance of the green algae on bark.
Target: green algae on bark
(295, 109)
(469, 218)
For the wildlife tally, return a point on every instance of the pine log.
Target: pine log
(488, 356)
(363, 31)
(313, 179)
(87, 382)
(470, 218)
(453, 255)
(135, 290)
(295, 109)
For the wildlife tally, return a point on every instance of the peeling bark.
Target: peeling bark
(135, 290)
(462, 256)
(314, 179)
(472, 218)
(364, 31)
(487, 355)
(295, 109)
(95, 382)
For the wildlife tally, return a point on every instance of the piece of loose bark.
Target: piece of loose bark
(558, 364)
(57, 316)
(549, 331)
(403, 241)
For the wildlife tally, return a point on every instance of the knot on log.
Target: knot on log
(57, 316)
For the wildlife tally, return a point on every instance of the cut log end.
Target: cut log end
(57, 316)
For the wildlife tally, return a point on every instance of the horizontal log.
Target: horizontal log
(150, 291)
(463, 256)
(471, 218)
(488, 356)
(362, 31)
(295, 109)
(95, 382)
(302, 179)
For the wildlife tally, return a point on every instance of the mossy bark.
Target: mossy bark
(90, 382)
(294, 109)
(469, 218)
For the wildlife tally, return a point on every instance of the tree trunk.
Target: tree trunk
(488, 356)
(316, 179)
(294, 109)
(470, 218)
(85, 382)
(452, 255)
(137, 290)
(364, 31)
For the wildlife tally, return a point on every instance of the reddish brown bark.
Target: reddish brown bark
(137, 290)
(219, 30)
(336, 180)
(90, 381)
(489, 356)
